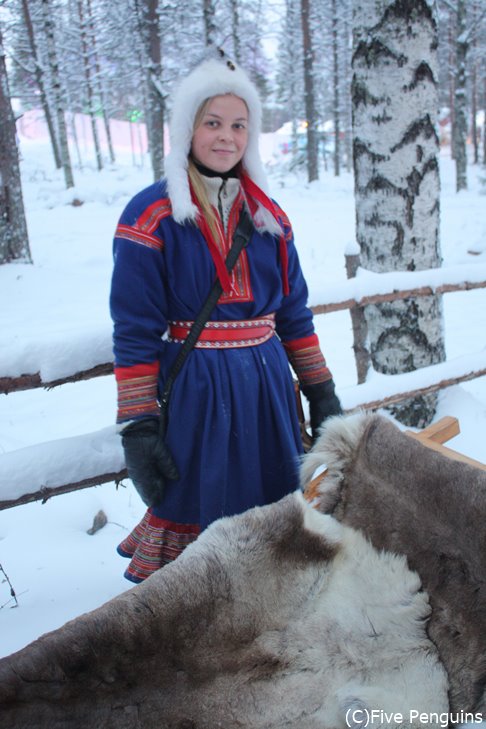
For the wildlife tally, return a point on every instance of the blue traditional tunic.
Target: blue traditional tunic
(232, 423)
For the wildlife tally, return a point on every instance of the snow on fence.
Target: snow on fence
(57, 467)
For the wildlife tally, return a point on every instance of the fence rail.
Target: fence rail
(31, 381)
(404, 387)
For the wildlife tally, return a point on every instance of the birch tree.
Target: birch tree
(39, 77)
(335, 84)
(394, 94)
(93, 43)
(459, 128)
(14, 241)
(57, 92)
(209, 14)
(290, 73)
(88, 66)
(155, 106)
(310, 94)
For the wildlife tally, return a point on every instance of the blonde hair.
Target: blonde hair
(196, 179)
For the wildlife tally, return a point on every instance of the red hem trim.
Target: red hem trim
(173, 526)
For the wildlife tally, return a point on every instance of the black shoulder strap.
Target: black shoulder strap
(241, 238)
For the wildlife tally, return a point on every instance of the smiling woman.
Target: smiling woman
(221, 133)
(233, 438)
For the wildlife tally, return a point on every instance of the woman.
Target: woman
(232, 439)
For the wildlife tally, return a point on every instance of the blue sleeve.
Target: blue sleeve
(138, 293)
(294, 319)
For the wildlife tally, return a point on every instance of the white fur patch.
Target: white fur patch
(349, 629)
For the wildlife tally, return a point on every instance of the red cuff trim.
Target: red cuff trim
(138, 370)
(303, 343)
(307, 360)
(137, 397)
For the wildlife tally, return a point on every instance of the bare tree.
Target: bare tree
(86, 51)
(335, 84)
(235, 30)
(397, 178)
(57, 91)
(93, 43)
(459, 129)
(155, 100)
(39, 76)
(310, 97)
(14, 241)
(209, 13)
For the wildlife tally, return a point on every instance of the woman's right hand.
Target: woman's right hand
(149, 462)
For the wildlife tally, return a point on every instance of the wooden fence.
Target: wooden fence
(439, 376)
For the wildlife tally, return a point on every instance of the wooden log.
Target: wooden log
(33, 381)
(398, 397)
(359, 325)
(45, 493)
(396, 295)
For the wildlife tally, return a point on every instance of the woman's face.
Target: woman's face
(220, 139)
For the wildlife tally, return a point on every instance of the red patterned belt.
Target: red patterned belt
(226, 334)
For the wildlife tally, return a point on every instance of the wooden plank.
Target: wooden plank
(439, 432)
(33, 381)
(396, 296)
(47, 492)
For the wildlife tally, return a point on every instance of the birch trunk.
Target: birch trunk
(57, 94)
(336, 80)
(209, 22)
(39, 77)
(100, 81)
(484, 122)
(394, 94)
(310, 100)
(155, 107)
(235, 30)
(460, 99)
(87, 63)
(14, 241)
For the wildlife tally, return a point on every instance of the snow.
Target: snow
(54, 320)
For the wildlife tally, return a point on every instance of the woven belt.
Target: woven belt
(226, 334)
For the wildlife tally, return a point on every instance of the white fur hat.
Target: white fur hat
(212, 77)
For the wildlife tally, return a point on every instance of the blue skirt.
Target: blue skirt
(234, 435)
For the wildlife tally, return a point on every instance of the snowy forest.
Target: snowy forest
(373, 133)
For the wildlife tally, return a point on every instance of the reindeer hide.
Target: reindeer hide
(278, 618)
(408, 499)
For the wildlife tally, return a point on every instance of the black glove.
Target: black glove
(149, 461)
(323, 402)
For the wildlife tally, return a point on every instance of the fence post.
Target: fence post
(358, 321)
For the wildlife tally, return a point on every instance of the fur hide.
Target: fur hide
(278, 618)
(413, 501)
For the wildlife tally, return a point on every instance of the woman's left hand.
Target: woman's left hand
(323, 403)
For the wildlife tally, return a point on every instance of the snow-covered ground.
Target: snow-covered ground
(54, 319)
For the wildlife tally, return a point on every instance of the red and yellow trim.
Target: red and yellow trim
(137, 391)
(307, 360)
(154, 543)
(143, 231)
